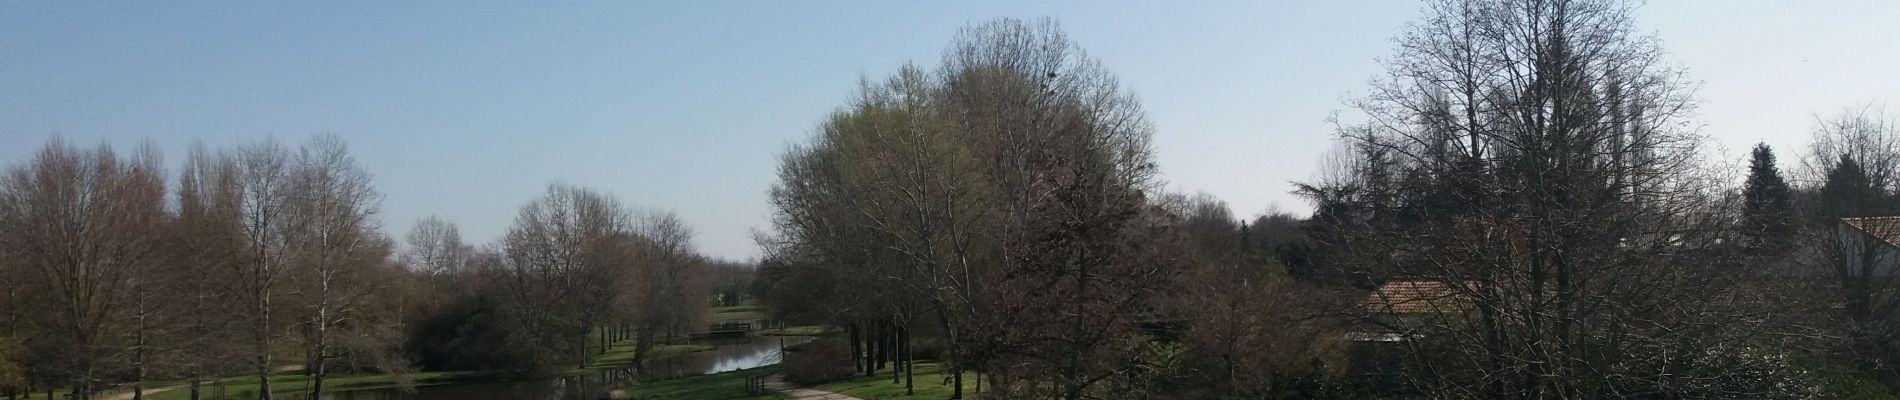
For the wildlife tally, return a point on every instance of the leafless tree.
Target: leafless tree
(267, 193)
(208, 243)
(563, 254)
(1533, 156)
(85, 226)
(338, 252)
(436, 248)
(1004, 195)
(668, 284)
(1848, 175)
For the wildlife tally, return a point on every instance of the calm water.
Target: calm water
(729, 355)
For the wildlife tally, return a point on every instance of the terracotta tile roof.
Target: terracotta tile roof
(1887, 229)
(1420, 296)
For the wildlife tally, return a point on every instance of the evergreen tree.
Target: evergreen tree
(1768, 204)
(1849, 192)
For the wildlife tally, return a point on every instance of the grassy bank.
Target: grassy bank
(618, 354)
(929, 385)
(725, 385)
(736, 314)
(809, 330)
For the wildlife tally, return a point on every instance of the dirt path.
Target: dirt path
(128, 394)
(777, 383)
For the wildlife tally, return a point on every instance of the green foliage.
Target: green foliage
(482, 333)
(1768, 203)
(1849, 384)
(1691, 370)
(818, 361)
(1849, 192)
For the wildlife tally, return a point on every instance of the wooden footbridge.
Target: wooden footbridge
(727, 329)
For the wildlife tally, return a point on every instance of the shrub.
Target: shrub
(819, 361)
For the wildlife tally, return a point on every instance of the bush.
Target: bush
(480, 333)
(1850, 384)
(819, 361)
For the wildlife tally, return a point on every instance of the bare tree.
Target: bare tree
(1849, 171)
(209, 243)
(85, 226)
(563, 253)
(338, 251)
(1005, 195)
(1533, 157)
(267, 181)
(669, 282)
(436, 248)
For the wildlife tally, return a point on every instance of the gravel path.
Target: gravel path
(777, 383)
(128, 394)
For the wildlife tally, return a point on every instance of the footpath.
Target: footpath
(777, 383)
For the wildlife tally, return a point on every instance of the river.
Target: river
(728, 355)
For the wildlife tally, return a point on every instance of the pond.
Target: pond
(729, 355)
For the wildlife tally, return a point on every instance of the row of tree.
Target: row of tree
(1004, 206)
(110, 276)
(1531, 162)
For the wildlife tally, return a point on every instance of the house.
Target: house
(1393, 314)
(1869, 246)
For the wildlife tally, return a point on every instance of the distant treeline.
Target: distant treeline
(1523, 208)
(264, 252)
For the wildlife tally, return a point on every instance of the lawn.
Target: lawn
(736, 314)
(727, 385)
(808, 330)
(929, 385)
(618, 354)
(294, 381)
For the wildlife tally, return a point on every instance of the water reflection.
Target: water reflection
(730, 354)
(551, 389)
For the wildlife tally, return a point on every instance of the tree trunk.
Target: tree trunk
(910, 374)
(582, 363)
(316, 384)
(317, 362)
(262, 330)
(877, 350)
(857, 355)
(955, 359)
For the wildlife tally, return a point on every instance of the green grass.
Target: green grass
(808, 330)
(739, 308)
(736, 314)
(621, 352)
(618, 353)
(929, 385)
(295, 381)
(725, 385)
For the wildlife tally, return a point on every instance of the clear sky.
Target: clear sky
(466, 110)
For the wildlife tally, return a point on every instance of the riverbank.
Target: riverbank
(725, 385)
(618, 354)
(732, 385)
(809, 330)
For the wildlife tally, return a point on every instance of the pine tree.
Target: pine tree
(1768, 204)
(1849, 192)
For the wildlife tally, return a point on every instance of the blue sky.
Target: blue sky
(466, 110)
